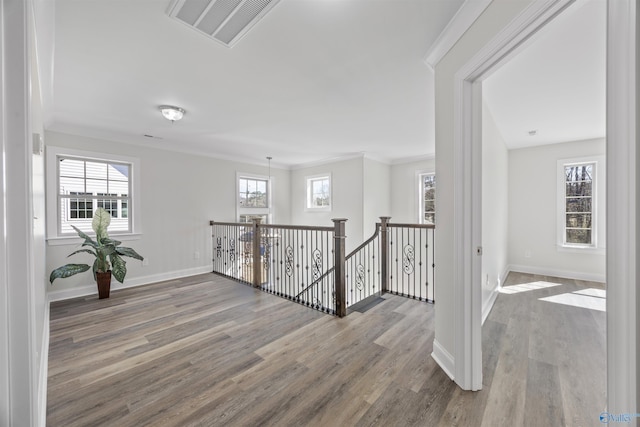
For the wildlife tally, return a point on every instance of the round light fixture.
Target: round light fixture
(171, 112)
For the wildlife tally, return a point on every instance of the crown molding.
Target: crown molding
(459, 24)
(328, 161)
(156, 144)
(413, 159)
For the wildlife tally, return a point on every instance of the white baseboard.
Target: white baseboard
(565, 274)
(488, 305)
(91, 289)
(443, 358)
(44, 371)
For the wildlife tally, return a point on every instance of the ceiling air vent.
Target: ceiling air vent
(225, 21)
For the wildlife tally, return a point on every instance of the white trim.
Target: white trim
(327, 161)
(467, 179)
(419, 182)
(90, 289)
(307, 200)
(5, 362)
(413, 159)
(44, 369)
(488, 305)
(20, 406)
(51, 155)
(443, 358)
(459, 24)
(255, 211)
(76, 241)
(598, 179)
(622, 137)
(552, 272)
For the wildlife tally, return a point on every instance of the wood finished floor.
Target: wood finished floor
(206, 351)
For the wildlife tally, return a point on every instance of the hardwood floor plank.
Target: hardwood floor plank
(544, 400)
(206, 351)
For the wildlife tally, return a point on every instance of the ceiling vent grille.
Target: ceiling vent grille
(225, 21)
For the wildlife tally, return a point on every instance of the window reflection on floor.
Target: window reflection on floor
(590, 298)
(524, 287)
(593, 299)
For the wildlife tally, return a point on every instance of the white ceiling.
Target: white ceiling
(556, 84)
(315, 79)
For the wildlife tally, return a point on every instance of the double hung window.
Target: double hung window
(253, 198)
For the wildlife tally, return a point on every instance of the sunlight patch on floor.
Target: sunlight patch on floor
(592, 299)
(524, 287)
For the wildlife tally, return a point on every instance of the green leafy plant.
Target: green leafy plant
(107, 251)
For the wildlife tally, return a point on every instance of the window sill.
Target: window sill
(581, 249)
(324, 209)
(75, 240)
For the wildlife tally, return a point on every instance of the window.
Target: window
(578, 217)
(319, 193)
(254, 199)
(110, 205)
(80, 182)
(80, 207)
(578, 204)
(427, 184)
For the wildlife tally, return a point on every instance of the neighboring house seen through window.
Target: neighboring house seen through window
(87, 184)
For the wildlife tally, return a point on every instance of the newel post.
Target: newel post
(340, 266)
(384, 256)
(255, 256)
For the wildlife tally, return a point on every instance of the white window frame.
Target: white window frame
(254, 211)
(309, 206)
(599, 173)
(54, 236)
(420, 186)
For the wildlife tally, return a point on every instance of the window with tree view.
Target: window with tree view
(428, 198)
(579, 204)
(253, 193)
(319, 192)
(253, 198)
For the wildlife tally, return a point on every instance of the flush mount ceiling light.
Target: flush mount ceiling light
(171, 112)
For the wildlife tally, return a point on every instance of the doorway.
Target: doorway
(621, 379)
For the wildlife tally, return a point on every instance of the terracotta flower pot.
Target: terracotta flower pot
(104, 284)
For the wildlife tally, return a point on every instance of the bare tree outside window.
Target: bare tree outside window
(428, 193)
(579, 203)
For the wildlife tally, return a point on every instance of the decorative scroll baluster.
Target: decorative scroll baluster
(308, 264)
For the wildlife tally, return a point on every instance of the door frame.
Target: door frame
(621, 197)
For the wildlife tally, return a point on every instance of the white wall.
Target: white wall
(23, 312)
(180, 193)
(376, 201)
(497, 15)
(405, 189)
(347, 198)
(533, 213)
(495, 210)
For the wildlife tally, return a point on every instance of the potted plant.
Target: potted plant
(107, 251)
